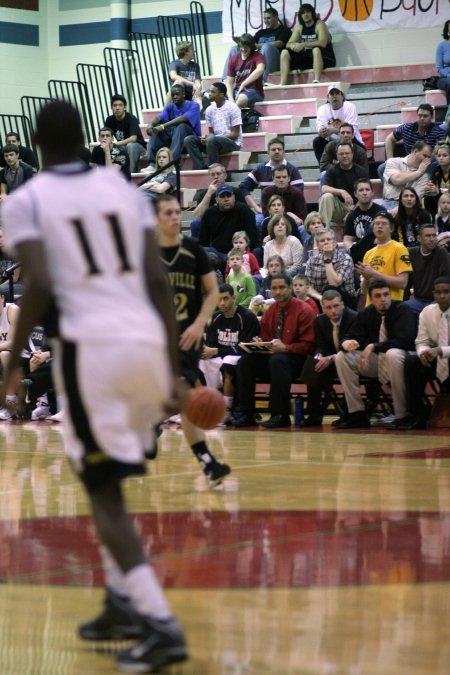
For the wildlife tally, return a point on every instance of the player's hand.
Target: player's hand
(191, 338)
(297, 47)
(367, 351)
(209, 352)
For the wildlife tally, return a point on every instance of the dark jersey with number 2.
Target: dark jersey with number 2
(185, 265)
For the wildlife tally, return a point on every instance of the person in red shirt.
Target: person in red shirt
(245, 74)
(288, 326)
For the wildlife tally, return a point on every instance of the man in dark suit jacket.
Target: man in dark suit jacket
(376, 346)
(320, 371)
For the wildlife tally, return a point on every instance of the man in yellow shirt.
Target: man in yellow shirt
(387, 261)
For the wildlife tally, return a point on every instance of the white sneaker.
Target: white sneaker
(269, 84)
(42, 409)
(58, 417)
(8, 413)
(5, 414)
(148, 169)
(316, 81)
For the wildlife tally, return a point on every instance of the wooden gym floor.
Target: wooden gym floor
(324, 552)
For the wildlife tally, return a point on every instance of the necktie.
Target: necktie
(280, 324)
(442, 363)
(383, 373)
(336, 336)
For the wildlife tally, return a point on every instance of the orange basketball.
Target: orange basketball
(205, 407)
(356, 10)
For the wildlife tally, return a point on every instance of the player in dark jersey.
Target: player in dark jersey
(195, 291)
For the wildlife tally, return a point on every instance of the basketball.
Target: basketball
(356, 10)
(205, 407)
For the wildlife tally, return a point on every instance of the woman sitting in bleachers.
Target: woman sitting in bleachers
(282, 242)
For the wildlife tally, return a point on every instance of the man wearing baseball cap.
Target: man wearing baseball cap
(330, 117)
(222, 220)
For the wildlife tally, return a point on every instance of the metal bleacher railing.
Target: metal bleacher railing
(140, 73)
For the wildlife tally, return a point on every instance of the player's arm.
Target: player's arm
(161, 295)
(34, 302)
(192, 336)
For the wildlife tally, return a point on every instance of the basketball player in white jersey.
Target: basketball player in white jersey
(86, 239)
(195, 295)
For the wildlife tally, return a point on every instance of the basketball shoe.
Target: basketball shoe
(163, 644)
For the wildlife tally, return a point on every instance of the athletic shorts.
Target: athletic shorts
(304, 60)
(190, 370)
(112, 396)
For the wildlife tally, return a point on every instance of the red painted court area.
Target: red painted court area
(252, 549)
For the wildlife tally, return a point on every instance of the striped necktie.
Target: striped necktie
(383, 372)
(280, 325)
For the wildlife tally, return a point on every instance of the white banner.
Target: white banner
(341, 16)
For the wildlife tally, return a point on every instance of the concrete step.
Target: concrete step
(234, 160)
(306, 107)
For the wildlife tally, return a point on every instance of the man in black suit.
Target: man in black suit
(320, 371)
(376, 346)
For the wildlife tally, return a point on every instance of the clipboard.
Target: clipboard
(256, 347)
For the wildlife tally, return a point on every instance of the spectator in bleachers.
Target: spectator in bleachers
(424, 129)
(245, 74)
(203, 199)
(173, 124)
(185, 71)
(313, 223)
(221, 221)
(358, 224)
(443, 220)
(276, 206)
(229, 325)
(410, 216)
(294, 201)
(410, 170)
(439, 182)
(269, 41)
(376, 346)
(443, 61)
(261, 175)
(282, 243)
(300, 286)
(259, 304)
(250, 263)
(330, 116)
(15, 173)
(153, 186)
(388, 261)
(110, 154)
(330, 328)
(242, 282)
(432, 358)
(224, 123)
(309, 46)
(288, 325)
(126, 130)
(25, 154)
(330, 267)
(338, 189)
(428, 261)
(345, 135)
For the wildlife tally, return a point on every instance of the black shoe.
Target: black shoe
(277, 421)
(215, 472)
(163, 644)
(410, 424)
(118, 621)
(245, 421)
(356, 420)
(311, 421)
(153, 451)
(335, 423)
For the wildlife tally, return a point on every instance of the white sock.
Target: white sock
(228, 402)
(146, 593)
(114, 577)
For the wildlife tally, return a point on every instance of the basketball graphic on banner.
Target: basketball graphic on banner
(356, 10)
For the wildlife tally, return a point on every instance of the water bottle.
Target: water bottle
(298, 413)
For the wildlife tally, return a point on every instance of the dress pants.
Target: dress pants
(279, 369)
(349, 370)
